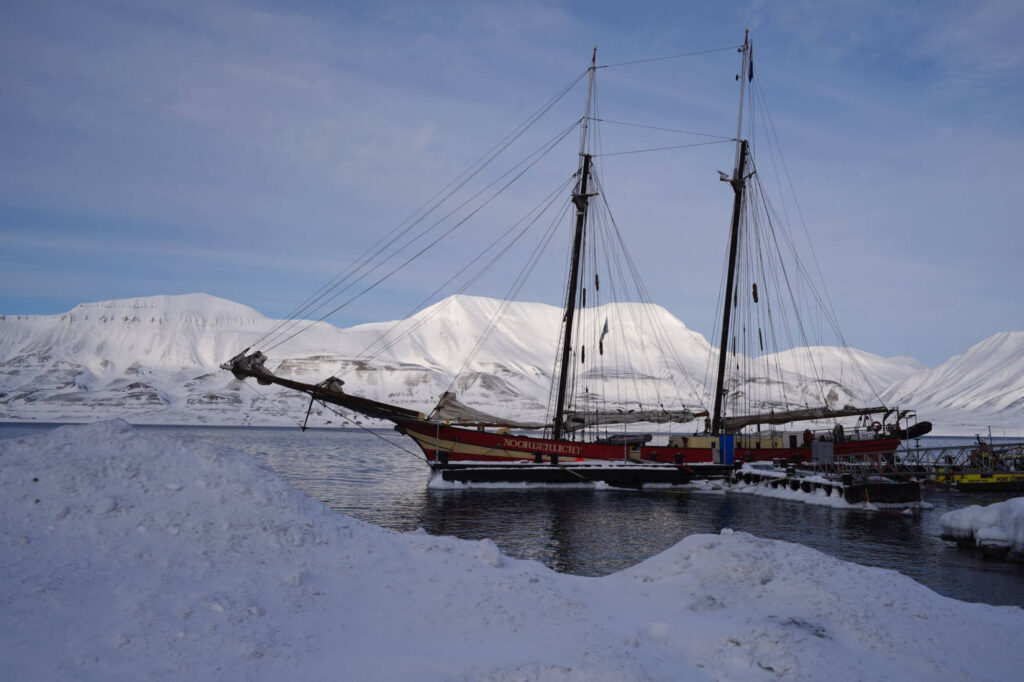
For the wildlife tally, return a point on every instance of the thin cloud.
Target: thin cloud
(284, 139)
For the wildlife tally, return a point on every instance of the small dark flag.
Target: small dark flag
(750, 73)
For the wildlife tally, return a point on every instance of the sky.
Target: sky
(253, 150)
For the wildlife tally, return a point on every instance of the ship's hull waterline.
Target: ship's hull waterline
(445, 443)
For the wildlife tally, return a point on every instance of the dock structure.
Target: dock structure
(975, 467)
(875, 477)
(624, 474)
(854, 489)
(969, 467)
(872, 488)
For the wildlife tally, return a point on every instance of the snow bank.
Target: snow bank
(127, 556)
(998, 526)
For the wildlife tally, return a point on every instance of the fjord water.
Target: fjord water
(378, 477)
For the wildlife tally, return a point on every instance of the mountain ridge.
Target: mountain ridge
(155, 360)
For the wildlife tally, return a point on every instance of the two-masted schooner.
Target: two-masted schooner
(577, 428)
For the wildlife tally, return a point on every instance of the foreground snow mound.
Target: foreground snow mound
(127, 556)
(998, 526)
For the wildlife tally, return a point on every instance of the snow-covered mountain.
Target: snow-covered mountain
(987, 381)
(156, 360)
(847, 366)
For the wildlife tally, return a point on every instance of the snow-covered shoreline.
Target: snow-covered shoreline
(133, 555)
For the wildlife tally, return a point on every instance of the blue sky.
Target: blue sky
(251, 151)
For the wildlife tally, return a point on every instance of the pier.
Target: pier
(882, 477)
(976, 467)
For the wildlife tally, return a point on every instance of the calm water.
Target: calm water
(594, 532)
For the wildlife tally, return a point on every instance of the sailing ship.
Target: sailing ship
(577, 428)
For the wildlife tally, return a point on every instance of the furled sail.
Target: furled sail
(579, 420)
(450, 410)
(732, 424)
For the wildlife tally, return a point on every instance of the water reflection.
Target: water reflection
(595, 532)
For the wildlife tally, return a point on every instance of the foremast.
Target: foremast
(581, 200)
(739, 184)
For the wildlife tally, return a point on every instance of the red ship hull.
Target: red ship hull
(444, 443)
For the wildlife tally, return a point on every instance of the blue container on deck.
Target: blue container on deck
(726, 450)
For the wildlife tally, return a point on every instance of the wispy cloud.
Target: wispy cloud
(228, 138)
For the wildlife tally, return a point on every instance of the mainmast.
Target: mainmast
(738, 182)
(581, 199)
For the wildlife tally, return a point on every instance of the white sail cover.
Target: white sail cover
(449, 409)
(731, 424)
(581, 420)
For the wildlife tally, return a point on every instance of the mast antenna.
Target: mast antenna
(743, 86)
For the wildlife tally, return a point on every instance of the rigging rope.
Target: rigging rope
(509, 295)
(666, 130)
(645, 297)
(264, 397)
(769, 258)
(607, 236)
(540, 154)
(426, 209)
(544, 206)
(760, 226)
(671, 56)
(828, 306)
(417, 455)
(661, 149)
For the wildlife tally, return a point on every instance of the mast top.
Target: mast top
(593, 59)
(742, 78)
